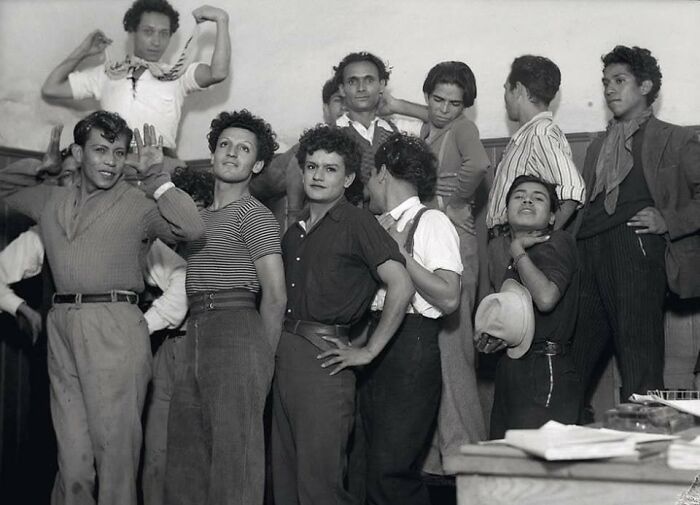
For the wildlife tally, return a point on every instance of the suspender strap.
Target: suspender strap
(412, 231)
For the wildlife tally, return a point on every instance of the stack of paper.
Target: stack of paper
(557, 442)
(684, 455)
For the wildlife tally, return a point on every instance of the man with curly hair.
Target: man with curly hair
(400, 391)
(643, 213)
(335, 260)
(141, 88)
(539, 148)
(215, 446)
(99, 356)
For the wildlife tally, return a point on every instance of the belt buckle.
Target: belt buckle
(78, 298)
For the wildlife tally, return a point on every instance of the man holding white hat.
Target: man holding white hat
(533, 316)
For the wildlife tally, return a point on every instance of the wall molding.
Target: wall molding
(493, 143)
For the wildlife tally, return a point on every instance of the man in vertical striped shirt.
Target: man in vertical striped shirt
(538, 148)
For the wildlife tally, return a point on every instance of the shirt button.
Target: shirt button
(301, 236)
(298, 258)
(293, 284)
(289, 311)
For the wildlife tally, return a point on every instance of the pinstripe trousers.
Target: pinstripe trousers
(623, 287)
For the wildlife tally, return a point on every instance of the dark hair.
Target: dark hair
(410, 159)
(452, 72)
(641, 64)
(244, 119)
(551, 189)
(196, 182)
(333, 140)
(110, 123)
(331, 87)
(132, 17)
(382, 70)
(538, 74)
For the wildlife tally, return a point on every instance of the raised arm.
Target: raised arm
(389, 105)
(218, 68)
(176, 217)
(56, 84)
(167, 270)
(21, 182)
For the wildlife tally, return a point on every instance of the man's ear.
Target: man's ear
(427, 97)
(341, 88)
(349, 180)
(522, 91)
(258, 166)
(552, 216)
(77, 152)
(381, 173)
(646, 87)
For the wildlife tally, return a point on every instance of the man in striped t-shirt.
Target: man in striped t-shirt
(538, 148)
(215, 428)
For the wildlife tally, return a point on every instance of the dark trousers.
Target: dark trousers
(312, 417)
(533, 390)
(623, 288)
(216, 450)
(399, 400)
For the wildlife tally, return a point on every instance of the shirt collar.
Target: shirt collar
(405, 211)
(335, 213)
(520, 134)
(345, 121)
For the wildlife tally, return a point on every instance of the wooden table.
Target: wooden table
(500, 475)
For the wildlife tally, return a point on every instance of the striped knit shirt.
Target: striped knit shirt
(538, 148)
(235, 237)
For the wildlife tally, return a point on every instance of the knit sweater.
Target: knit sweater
(98, 243)
(368, 150)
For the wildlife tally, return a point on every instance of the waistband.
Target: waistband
(110, 297)
(548, 348)
(205, 301)
(314, 332)
(498, 230)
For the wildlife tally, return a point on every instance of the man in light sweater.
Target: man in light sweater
(95, 235)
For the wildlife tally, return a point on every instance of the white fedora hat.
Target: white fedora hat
(508, 315)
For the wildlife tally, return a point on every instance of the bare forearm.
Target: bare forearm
(411, 109)
(435, 289)
(58, 78)
(272, 314)
(221, 57)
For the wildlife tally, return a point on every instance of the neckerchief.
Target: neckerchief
(162, 71)
(615, 160)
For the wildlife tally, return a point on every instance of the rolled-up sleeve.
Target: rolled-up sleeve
(553, 154)
(87, 83)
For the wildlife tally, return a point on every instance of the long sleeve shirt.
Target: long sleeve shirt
(98, 243)
(24, 258)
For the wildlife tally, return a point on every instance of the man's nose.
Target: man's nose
(443, 107)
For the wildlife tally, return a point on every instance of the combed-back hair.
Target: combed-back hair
(266, 143)
(132, 17)
(382, 69)
(111, 124)
(551, 189)
(641, 64)
(540, 75)
(410, 159)
(452, 72)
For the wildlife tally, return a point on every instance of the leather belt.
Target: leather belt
(205, 301)
(498, 230)
(314, 332)
(111, 297)
(548, 348)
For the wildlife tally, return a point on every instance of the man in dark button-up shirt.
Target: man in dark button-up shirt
(334, 262)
